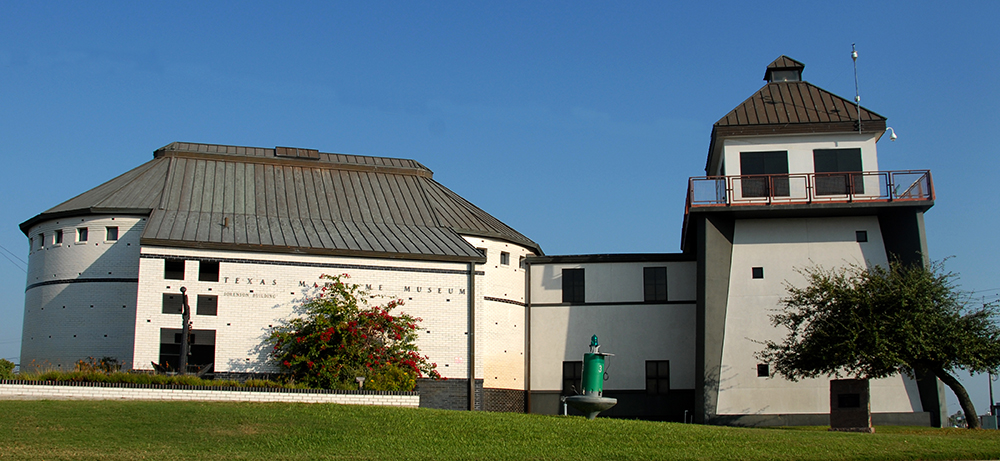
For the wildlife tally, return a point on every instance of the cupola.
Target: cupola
(784, 69)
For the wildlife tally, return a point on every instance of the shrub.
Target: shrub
(339, 337)
(6, 369)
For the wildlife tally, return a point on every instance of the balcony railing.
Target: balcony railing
(807, 188)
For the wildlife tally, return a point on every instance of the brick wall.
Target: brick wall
(25, 390)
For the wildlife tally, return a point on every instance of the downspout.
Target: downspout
(471, 364)
(527, 336)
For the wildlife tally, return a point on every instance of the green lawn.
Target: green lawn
(192, 430)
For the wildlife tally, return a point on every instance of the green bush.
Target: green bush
(6, 369)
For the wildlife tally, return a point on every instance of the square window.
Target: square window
(763, 370)
(482, 251)
(58, 238)
(654, 281)
(758, 272)
(505, 258)
(112, 233)
(572, 286)
(862, 236)
(173, 303)
(82, 234)
(657, 377)
(764, 174)
(830, 164)
(208, 305)
(173, 269)
(572, 377)
(208, 271)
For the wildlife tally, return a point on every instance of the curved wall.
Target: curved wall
(81, 291)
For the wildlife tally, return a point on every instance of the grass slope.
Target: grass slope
(195, 430)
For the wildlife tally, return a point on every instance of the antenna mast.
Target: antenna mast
(857, 92)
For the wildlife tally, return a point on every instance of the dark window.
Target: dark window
(654, 282)
(572, 378)
(657, 377)
(505, 258)
(208, 271)
(758, 272)
(208, 305)
(482, 251)
(41, 240)
(763, 370)
(112, 233)
(173, 269)
(828, 162)
(862, 236)
(572, 285)
(520, 262)
(173, 303)
(848, 400)
(58, 239)
(201, 352)
(82, 234)
(764, 163)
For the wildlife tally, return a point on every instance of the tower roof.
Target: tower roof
(291, 200)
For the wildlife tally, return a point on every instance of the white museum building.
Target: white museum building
(792, 180)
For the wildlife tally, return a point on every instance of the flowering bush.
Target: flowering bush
(340, 337)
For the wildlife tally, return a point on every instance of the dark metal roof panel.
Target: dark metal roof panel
(781, 103)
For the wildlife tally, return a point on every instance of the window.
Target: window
(520, 262)
(58, 238)
(208, 305)
(41, 240)
(173, 303)
(657, 377)
(654, 282)
(757, 272)
(112, 233)
(31, 243)
(173, 269)
(861, 236)
(482, 251)
(505, 258)
(572, 286)
(82, 234)
(763, 370)
(208, 271)
(827, 162)
(572, 378)
(764, 163)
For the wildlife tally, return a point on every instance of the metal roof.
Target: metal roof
(785, 103)
(292, 200)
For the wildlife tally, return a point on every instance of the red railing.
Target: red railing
(805, 188)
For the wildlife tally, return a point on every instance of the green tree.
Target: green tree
(875, 322)
(339, 337)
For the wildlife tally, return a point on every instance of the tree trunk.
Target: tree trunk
(971, 417)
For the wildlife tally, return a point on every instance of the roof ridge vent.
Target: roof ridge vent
(294, 152)
(784, 69)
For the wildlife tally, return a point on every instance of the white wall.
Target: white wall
(500, 317)
(781, 247)
(626, 326)
(77, 305)
(258, 290)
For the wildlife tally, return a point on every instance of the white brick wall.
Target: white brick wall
(77, 304)
(47, 392)
(500, 316)
(248, 309)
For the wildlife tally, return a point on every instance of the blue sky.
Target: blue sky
(577, 123)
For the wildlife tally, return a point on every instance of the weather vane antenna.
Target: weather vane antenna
(857, 92)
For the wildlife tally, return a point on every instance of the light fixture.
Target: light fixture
(892, 133)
